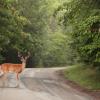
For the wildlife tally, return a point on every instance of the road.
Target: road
(39, 84)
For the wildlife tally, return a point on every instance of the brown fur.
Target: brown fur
(8, 67)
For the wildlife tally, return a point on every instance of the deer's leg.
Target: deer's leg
(4, 79)
(17, 77)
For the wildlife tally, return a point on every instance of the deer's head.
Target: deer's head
(23, 57)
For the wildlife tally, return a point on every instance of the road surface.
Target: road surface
(38, 84)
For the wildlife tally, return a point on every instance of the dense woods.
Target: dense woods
(56, 32)
(83, 17)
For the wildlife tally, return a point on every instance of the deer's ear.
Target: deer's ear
(28, 55)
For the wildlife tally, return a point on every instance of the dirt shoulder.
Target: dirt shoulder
(95, 94)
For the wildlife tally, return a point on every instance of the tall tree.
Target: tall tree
(12, 23)
(84, 18)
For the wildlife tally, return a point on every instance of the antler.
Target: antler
(24, 57)
(28, 55)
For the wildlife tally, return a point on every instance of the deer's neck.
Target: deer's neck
(23, 65)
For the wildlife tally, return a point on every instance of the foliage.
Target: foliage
(84, 76)
(11, 29)
(55, 32)
(84, 18)
(48, 45)
(54, 53)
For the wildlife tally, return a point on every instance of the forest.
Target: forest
(55, 32)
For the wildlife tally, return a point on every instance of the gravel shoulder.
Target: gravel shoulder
(95, 94)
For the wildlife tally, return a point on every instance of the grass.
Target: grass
(84, 76)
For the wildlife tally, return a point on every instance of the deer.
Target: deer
(16, 68)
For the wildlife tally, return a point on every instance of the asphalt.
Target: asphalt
(38, 84)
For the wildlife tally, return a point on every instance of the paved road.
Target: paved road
(39, 84)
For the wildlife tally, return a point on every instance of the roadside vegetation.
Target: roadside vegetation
(84, 76)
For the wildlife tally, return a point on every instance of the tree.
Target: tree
(12, 24)
(42, 24)
(84, 18)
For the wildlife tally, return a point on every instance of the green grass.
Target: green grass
(84, 76)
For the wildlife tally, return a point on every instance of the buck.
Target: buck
(16, 68)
